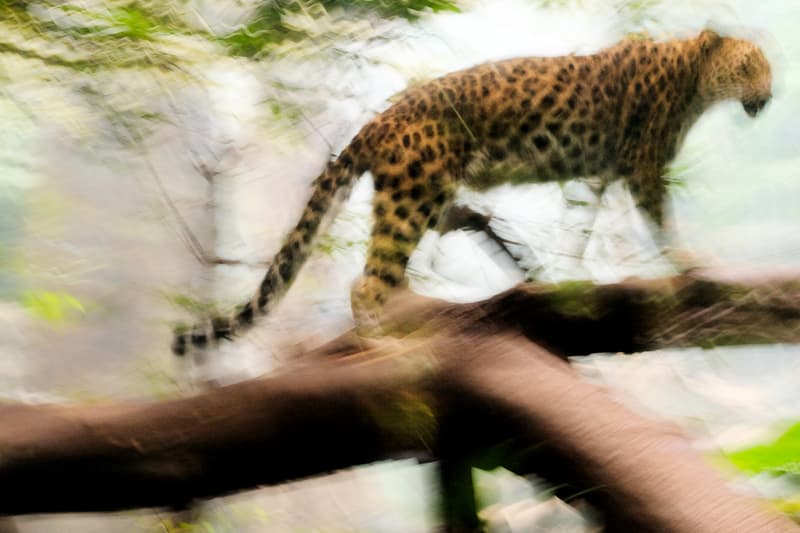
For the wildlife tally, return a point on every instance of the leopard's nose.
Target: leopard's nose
(754, 106)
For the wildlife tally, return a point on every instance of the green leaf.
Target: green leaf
(53, 307)
(135, 23)
(782, 456)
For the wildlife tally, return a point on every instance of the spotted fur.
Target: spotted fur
(621, 113)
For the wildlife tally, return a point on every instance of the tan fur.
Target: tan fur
(621, 113)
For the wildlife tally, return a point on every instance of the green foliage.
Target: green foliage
(193, 305)
(131, 21)
(88, 30)
(782, 456)
(98, 51)
(574, 298)
(53, 307)
(266, 28)
(270, 25)
(68, 35)
(408, 9)
(789, 506)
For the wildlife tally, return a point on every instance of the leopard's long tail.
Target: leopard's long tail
(329, 191)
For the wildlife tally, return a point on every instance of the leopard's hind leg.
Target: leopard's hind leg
(404, 207)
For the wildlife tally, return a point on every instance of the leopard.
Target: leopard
(619, 114)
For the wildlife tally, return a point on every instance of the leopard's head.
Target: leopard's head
(734, 69)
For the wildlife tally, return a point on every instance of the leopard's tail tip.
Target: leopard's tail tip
(201, 335)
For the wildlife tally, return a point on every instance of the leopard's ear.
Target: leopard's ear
(708, 41)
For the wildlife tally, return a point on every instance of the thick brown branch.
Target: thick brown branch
(489, 388)
(576, 318)
(644, 473)
(472, 393)
(58, 458)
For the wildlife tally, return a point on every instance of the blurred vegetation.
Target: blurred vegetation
(93, 35)
(109, 72)
(781, 456)
(54, 307)
(271, 23)
(97, 65)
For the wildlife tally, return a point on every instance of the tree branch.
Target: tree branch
(466, 389)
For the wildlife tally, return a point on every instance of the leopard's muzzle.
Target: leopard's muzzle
(753, 106)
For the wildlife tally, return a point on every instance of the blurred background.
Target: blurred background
(154, 152)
